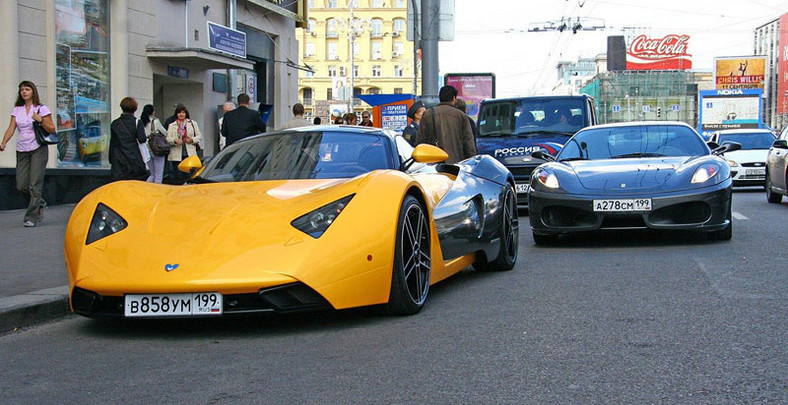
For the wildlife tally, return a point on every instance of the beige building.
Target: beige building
(382, 59)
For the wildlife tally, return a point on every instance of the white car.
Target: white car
(748, 165)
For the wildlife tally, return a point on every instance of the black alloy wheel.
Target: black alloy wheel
(410, 278)
(771, 196)
(509, 236)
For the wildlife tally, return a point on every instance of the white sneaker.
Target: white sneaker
(29, 224)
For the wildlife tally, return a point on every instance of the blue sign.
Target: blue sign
(227, 40)
(394, 117)
(179, 72)
(675, 107)
(616, 108)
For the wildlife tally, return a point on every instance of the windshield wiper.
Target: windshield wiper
(495, 134)
(199, 180)
(573, 158)
(636, 154)
(542, 132)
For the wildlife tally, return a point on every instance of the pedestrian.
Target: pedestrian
(172, 117)
(339, 121)
(462, 106)
(298, 118)
(31, 157)
(365, 121)
(184, 135)
(126, 135)
(241, 122)
(351, 119)
(414, 113)
(226, 107)
(316, 121)
(153, 125)
(447, 127)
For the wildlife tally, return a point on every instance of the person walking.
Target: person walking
(447, 127)
(316, 121)
(226, 107)
(351, 119)
(365, 121)
(414, 113)
(153, 125)
(126, 135)
(241, 122)
(31, 157)
(184, 135)
(298, 118)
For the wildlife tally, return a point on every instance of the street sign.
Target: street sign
(227, 40)
(646, 108)
(616, 108)
(675, 107)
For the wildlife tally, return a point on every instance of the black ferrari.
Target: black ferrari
(634, 175)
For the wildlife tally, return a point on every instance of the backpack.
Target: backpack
(158, 143)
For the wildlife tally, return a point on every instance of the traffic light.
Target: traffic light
(659, 112)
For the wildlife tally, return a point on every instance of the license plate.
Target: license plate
(756, 171)
(187, 304)
(637, 204)
(522, 188)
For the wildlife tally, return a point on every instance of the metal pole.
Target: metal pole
(416, 46)
(352, 57)
(231, 19)
(430, 28)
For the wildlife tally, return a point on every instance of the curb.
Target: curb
(35, 307)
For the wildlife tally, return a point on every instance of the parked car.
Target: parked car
(511, 129)
(748, 165)
(657, 175)
(315, 217)
(777, 169)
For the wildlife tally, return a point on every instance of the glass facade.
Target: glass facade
(646, 95)
(82, 69)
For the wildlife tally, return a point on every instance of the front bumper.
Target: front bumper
(703, 209)
(749, 176)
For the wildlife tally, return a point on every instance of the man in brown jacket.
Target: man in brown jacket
(448, 128)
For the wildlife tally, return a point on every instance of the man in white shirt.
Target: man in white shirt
(227, 107)
(298, 118)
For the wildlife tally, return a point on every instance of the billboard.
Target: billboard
(666, 53)
(741, 72)
(472, 88)
(782, 67)
(729, 109)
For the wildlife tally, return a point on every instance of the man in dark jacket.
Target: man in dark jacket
(414, 113)
(448, 128)
(241, 122)
(126, 135)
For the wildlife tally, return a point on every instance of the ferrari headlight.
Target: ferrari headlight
(547, 178)
(731, 163)
(316, 222)
(704, 173)
(105, 222)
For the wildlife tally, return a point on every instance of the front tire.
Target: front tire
(509, 236)
(410, 276)
(771, 196)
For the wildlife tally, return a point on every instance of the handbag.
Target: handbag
(158, 142)
(42, 136)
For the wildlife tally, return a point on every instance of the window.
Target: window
(309, 73)
(310, 3)
(374, 90)
(306, 96)
(312, 27)
(331, 28)
(342, 71)
(329, 93)
(398, 90)
(399, 25)
(332, 71)
(399, 50)
(376, 51)
(397, 71)
(331, 51)
(376, 28)
(376, 3)
(332, 3)
(376, 71)
(355, 50)
(399, 3)
(352, 3)
(355, 70)
(309, 49)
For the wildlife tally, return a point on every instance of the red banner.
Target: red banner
(666, 53)
(782, 67)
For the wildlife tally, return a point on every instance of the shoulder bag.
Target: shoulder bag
(42, 136)
(157, 141)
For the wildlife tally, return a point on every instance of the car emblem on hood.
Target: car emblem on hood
(170, 267)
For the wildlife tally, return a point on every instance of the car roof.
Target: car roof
(744, 131)
(638, 124)
(544, 97)
(345, 129)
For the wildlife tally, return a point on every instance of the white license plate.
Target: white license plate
(187, 304)
(751, 172)
(626, 205)
(522, 188)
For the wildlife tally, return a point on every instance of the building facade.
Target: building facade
(353, 44)
(86, 55)
(767, 42)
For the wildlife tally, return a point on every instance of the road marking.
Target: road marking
(739, 216)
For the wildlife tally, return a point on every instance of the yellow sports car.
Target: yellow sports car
(315, 217)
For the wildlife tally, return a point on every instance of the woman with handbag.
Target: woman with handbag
(184, 135)
(126, 136)
(31, 157)
(154, 130)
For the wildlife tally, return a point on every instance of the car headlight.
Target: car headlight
(316, 222)
(546, 178)
(704, 173)
(105, 222)
(731, 163)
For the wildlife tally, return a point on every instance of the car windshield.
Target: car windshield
(749, 140)
(532, 117)
(633, 141)
(300, 155)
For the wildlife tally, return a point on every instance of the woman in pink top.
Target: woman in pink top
(31, 158)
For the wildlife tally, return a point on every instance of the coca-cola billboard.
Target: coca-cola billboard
(666, 53)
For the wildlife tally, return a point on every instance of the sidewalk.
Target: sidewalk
(33, 280)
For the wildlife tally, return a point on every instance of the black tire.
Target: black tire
(725, 234)
(771, 196)
(509, 236)
(410, 276)
(544, 240)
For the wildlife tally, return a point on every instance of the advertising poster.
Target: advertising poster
(667, 53)
(339, 90)
(394, 116)
(740, 72)
(729, 109)
(473, 88)
(782, 68)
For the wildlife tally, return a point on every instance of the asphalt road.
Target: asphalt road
(619, 318)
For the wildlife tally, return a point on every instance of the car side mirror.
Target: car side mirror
(190, 165)
(727, 147)
(780, 144)
(712, 145)
(543, 155)
(426, 153)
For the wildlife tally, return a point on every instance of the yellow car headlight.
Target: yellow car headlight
(105, 222)
(316, 222)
